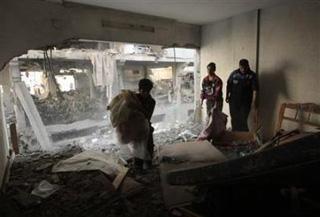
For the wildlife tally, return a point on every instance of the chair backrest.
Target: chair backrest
(303, 115)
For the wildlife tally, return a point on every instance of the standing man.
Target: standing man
(148, 104)
(242, 90)
(212, 89)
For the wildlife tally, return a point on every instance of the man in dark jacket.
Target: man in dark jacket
(242, 90)
(148, 104)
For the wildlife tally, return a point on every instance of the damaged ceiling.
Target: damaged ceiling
(202, 11)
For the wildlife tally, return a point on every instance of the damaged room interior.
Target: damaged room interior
(162, 108)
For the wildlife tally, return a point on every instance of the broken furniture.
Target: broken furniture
(293, 165)
(301, 122)
(305, 114)
(303, 152)
(283, 174)
(182, 156)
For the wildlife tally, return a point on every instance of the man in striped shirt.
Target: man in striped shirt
(212, 90)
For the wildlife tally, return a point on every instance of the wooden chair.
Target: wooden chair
(302, 115)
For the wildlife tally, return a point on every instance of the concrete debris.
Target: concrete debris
(26, 200)
(44, 189)
(81, 194)
(236, 150)
(237, 144)
(28, 141)
(105, 140)
(74, 106)
(88, 161)
(44, 166)
(187, 135)
(177, 133)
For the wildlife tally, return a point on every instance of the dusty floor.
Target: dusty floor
(91, 193)
(79, 194)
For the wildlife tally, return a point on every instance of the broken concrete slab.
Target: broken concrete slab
(33, 115)
(197, 151)
(44, 189)
(91, 160)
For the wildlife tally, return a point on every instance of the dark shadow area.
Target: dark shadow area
(273, 85)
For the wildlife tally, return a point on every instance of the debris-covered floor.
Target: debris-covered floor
(87, 193)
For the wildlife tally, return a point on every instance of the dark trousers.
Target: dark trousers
(150, 145)
(239, 116)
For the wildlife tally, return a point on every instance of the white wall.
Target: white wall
(34, 24)
(289, 57)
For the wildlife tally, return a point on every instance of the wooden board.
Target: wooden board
(294, 138)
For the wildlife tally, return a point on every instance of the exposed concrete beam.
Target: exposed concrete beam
(33, 116)
(31, 24)
(57, 64)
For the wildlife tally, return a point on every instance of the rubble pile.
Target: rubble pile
(100, 141)
(190, 131)
(86, 193)
(28, 141)
(178, 133)
(239, 149)
(74, 106)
